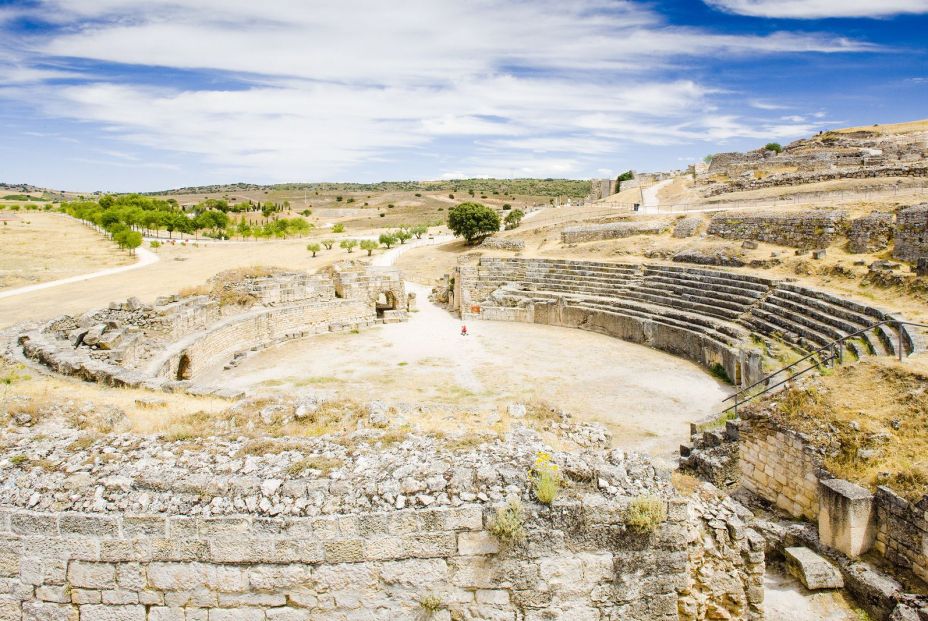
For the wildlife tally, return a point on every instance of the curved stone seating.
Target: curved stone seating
(706, 315)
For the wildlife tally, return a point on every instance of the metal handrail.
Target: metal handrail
(836, 353)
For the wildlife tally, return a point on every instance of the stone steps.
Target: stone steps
(683, 301)
(741, 295)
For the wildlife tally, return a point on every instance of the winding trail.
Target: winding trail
(146, 258)
(649, 196)
(389, 257)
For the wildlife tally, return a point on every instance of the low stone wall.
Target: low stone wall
(777, 465)
(503, 243)
(579, 562)
(687, 227)
(912, 233)
(612, 230)
(902, 531)
(260, 329)
(808, 229)
(870, 233)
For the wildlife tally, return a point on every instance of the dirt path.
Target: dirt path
(145, 258)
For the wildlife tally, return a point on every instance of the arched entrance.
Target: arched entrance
(183, 367)
(386, 300)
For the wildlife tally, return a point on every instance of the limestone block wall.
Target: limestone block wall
(778, 466)
(807, 229)
(912, 233)
(503, 243)
(186, 315)
(260, 329)
(902, 531)
(870, 233)
(578, 563)
(611, 230)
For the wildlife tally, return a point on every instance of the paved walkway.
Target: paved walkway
(145, 257)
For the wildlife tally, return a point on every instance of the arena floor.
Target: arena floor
(645, 397)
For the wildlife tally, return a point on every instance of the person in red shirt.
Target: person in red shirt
(463, 330)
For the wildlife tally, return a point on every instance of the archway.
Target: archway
(386, 300)
(183, 368)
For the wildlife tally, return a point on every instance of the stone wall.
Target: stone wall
(503, 243)
(579, 562)
(260, 329)
(167, 345)
(612, 230)
(870, 233)
(807, 229)
(902, 531)
(777, 465)
(912, 233)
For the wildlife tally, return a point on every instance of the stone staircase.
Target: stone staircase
(725, 307)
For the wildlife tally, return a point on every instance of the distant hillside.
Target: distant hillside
(899, 150)
(530, 187)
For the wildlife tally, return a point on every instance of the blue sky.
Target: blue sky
(124, 95)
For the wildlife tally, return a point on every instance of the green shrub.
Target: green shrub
(328, 243)
(645, 514)
(773, 146)
(313, 248)
(431, 603)
(718, 371)
(349, 244)
(546, 479)
(509, 525)
(154, 243)
(338, 228)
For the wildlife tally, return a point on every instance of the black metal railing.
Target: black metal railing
(833, 351)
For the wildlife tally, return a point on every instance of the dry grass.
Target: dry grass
(325, 465)
(39, 247)
(871, 418)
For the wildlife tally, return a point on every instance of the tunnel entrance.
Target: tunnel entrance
(183, 368)
(385, 301)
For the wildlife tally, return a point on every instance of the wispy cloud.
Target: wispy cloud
(818, 9)
(311, 90)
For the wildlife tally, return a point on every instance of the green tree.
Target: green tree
(403, 235)
(473, 221)
(370, 245)
(773, 146)
(313, 248)
(300, 226)
(419, 230)
(626, 176)
(514, 218)
(388, 239)
(338, 228)
(349, 244)
(128, 239)
(328, 243)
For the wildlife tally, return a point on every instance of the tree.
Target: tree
(328, 243)
(313, 248)
(773, 146)
(349, 244)
(338, 228)
(419, 231)
(128, 239)
(300, 226)
(244, 229)
(626, 176)
(403, 235)
(514, 218)
(370, 245)
(388, 239)
(473, 221)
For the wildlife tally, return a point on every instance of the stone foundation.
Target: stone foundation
(806, 229)
(912, 233)
(612, 230)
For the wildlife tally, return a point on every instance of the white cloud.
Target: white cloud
(818, 9)
(315, 89)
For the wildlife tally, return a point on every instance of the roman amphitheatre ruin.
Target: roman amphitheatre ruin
(698, 395)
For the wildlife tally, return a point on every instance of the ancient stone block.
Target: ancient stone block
(846, 517)
(92, 575)
(812, 570)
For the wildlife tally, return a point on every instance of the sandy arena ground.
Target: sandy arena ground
(38, 247)
(644, 396)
